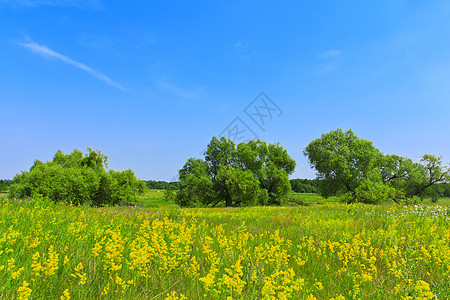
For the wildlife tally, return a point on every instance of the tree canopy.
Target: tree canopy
(79, 179)
(245, 174)
(352, 167)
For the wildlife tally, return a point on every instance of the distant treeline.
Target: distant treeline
(4, 183)
(443, 189)
(304, 185)
(161, 185)
(312, 185)
(297, 185)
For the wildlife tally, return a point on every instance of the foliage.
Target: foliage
(304, 185)
(331, 251)
(169, 193)
(416, 179)
(353, 168)
(239, 186)
(245, 174)
(443, 189)
(79, 179)
(161, 185)
(195, 186)
(4, 184)
(341, 160)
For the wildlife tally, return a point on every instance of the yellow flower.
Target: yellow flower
(422, 290)
(24, 292)
(51, 263)
(36, 266)
(65, 295)
(79, 273)
(16, 274)
(338, 297)
(366, 278)
(96, 249)
(174, 296)
(10, 263)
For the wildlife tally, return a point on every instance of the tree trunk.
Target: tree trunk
(228, 200)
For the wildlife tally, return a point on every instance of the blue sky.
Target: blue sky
(149, 83)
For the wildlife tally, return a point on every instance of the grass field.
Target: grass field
(155, 199)
(329, 251)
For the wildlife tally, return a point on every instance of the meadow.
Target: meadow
(158, 251)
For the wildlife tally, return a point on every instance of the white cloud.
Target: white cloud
(44, 51)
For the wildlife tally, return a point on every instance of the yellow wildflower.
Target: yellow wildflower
(24, 292)
(65, 295)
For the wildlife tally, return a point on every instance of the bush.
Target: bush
(374, 192)
(78, 179)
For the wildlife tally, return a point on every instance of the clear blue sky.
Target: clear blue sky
(149, 83)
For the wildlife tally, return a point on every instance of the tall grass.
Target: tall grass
(51, 251)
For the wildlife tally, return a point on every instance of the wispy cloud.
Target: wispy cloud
(329, 61)
(45, 51)
(179, 91)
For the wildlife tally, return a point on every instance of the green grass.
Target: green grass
(310, 199)
(314, 199)
(155, 199)
(326, 250)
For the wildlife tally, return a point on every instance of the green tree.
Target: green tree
(270, 164)
(79, 179)
(236, 186)
(195, 185)
(244, 174)
(416, 179)
(353, 168)
(342, 161)
(169, 193)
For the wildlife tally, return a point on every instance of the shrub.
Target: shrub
(78, 179)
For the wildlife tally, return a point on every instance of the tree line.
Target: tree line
(297, 185)
(251, 173)
(304, 185)
(161, 185)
